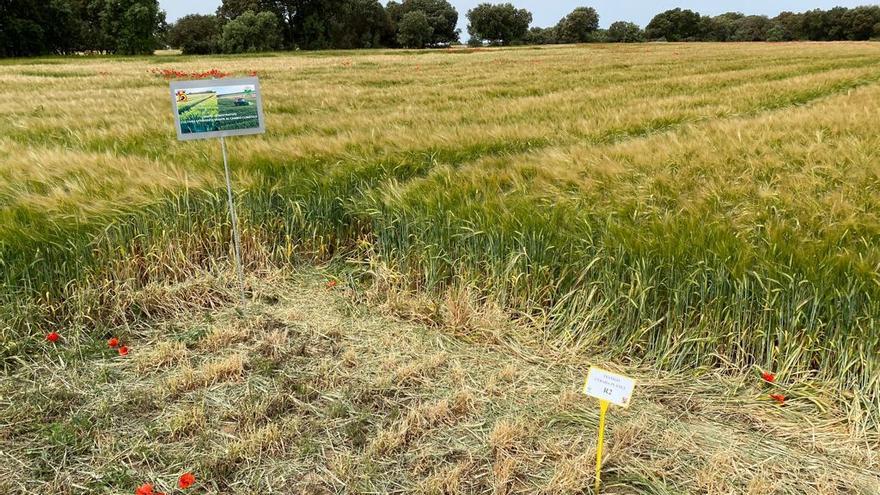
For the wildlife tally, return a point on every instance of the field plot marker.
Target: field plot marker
(609, 388)
(219, 108)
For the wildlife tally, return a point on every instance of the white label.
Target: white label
(611, 387)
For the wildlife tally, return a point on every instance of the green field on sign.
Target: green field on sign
(212, 112)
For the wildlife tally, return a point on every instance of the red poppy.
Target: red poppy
(123, 351)
(331, 284)
(186, 480)
(145, 489)
(778, 398)
(768, 377)
(113, 342)
(53, 337)
(253, 73)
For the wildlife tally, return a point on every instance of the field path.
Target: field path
(310, 392)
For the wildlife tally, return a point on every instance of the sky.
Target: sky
(222, 90)
(548, 12)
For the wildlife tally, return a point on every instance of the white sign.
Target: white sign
(216, 108)
(611, 387)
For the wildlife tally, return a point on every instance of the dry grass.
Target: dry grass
(308, 392)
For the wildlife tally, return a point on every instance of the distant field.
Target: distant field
(686, 204)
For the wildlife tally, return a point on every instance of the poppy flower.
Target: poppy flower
(778, 398)
(113, 342)
(186, 480)
(53, 337)
(768, 377)
(331, 284)
(123, 351)
(145, 489)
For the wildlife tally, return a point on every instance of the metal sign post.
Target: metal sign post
(219, 108)
(236, 236)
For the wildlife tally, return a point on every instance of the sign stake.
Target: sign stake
(219, 108)
(236, 237)
(609, 388)
(603, 408)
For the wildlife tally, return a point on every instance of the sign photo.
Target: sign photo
(217, 108)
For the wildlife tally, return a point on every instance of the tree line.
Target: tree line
(36, 27)
(41, 27)
(259, 25)
(837, 24)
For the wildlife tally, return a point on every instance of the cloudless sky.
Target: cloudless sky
(548, 12)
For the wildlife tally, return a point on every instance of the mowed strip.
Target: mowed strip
(308, 392)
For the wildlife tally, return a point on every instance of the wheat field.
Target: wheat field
(679, 205)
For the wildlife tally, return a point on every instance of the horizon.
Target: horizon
(546, 14)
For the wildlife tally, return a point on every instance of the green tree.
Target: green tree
(674, 25)
(21, 34)
(32, 27)
(813, 25)
(64, 34)
(131, 26)
(785, 27)
(721, 27)
(441, 15)
(501, 24)
(92, 37)
(835, 24)
(776, 32)
(752, 28)
(414, 30)
(230, 9)
(541, 36)
(196, 34)
(342, 24)
(359, 24)
(625, 32)
(291, 14)
(252, 32)
(860, 22)
(578, 26)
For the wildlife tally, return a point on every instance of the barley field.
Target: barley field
(680, 206)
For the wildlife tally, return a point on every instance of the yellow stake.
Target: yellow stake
(603, 408)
